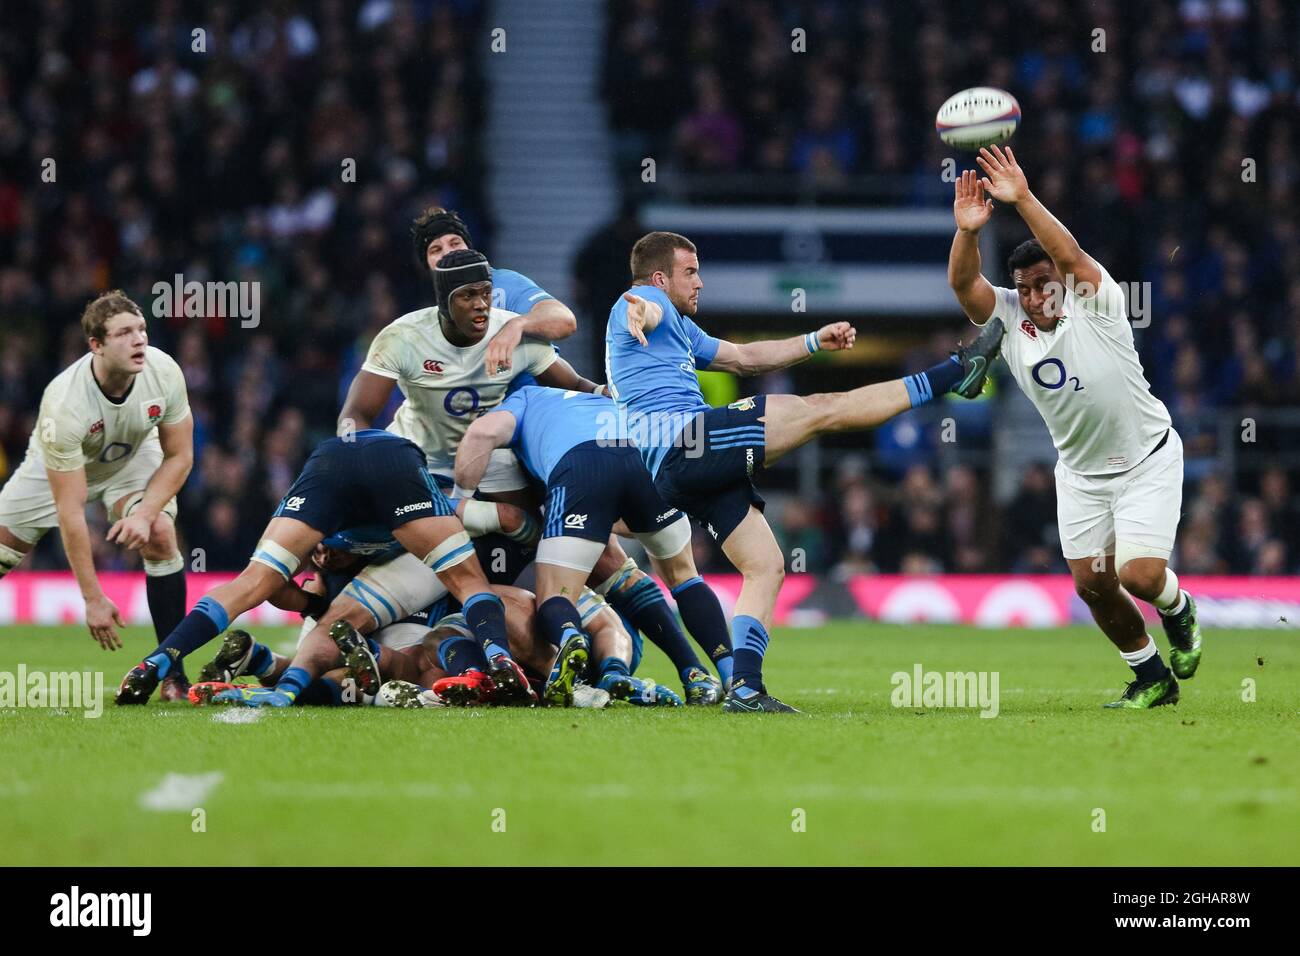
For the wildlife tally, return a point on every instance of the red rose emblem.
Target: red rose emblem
(155, 411)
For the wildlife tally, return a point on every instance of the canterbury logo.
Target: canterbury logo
(575, 521)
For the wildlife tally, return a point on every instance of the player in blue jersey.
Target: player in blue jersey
(594, 480)
(703, 459)
(337, 489)
(452, 366)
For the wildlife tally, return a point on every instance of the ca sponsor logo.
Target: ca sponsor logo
(295, 503)
(575, 521)
(75, 908)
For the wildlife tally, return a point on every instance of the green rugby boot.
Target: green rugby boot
(976, 359)
(1184, 639)
(570, 663)
(1138, 696)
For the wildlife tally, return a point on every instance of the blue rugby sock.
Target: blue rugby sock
(293, 682)
(457, 654)
(702, 614)
(206, 621)
(614, 665)
(486, 615)
(924, 386)
(749, 638)
(557, 620)
(643, 603)
(322, 692)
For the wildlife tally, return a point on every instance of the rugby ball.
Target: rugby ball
(979, 116)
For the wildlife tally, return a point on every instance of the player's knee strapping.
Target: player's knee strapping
(276, 557)
(9, 559)
(483, 517)
(486, 616)
(618, 578)
(455, 549)
(557, 619)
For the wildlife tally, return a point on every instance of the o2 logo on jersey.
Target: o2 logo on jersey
(115, 452)
(461, 402)
(1059, 375)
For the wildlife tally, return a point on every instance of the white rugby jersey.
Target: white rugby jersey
(446, 387)
(1085, 379)
(79, 426)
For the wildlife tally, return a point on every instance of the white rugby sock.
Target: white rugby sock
(1170, 599)
(1142, 654)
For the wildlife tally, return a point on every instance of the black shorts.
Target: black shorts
(596, 484)
(709, 473)
(376, 478)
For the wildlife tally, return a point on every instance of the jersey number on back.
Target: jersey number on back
(1059, 375)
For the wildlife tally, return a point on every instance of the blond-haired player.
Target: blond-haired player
(114, 427)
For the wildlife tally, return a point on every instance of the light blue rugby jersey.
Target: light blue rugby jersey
(656, 383)
(549, 422)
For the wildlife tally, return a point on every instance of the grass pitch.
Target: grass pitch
(1215, 780)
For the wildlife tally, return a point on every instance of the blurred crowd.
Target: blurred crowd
(291, 143)
(1165, 134)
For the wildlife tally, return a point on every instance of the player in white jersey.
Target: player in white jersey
(114, 427)
(1119, 477)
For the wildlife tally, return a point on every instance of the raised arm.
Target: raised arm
(755, 358)
(1005, 181)
(971, 210)
(490, 432)
(367, 396)
(177, 440)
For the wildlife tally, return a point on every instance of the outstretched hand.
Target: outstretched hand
(970, 207)
(641, 313)
(1004, 179)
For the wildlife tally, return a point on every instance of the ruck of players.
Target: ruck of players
(402, 548)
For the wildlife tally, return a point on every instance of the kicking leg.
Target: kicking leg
(792, 420)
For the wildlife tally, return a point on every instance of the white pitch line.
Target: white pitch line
(180, 791)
